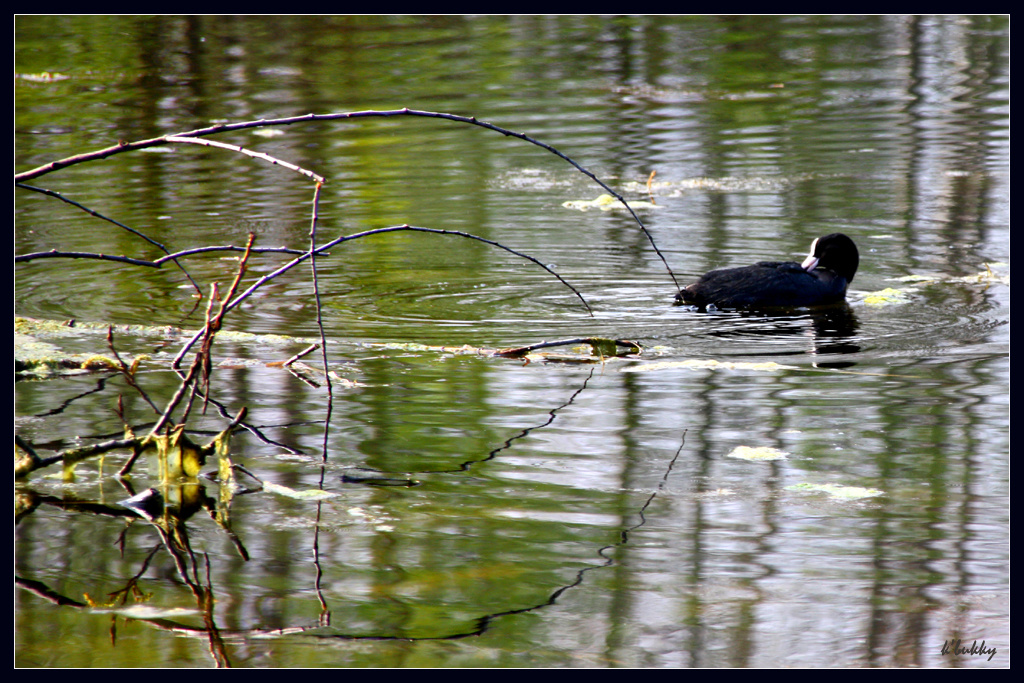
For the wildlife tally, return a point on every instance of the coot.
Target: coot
(821, 279)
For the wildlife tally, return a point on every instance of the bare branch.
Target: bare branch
(320, 317)
(96, 214)
(248, 152)
(53, 253)
(378, 231)
(287, 121)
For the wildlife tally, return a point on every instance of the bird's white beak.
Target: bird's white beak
(810, 263)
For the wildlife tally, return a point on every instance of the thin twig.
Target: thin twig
(128, 372)
(157, 263)
(320, 318)
(523, 350)
(205, 355)
(96, 214)
(316, 282)
(333, 243)
(305, 352)
(248, 152)
(287, 121)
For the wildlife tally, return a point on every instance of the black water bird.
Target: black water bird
(820, 280)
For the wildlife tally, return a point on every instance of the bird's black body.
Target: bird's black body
(820, 280)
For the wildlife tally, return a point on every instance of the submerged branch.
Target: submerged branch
(600, 346)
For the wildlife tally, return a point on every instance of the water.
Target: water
(562, 514)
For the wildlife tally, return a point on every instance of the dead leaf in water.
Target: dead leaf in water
(886, 297)
(606, 202)
(701, 364)
(837, 491)
(760, 453)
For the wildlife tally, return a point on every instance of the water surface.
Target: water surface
(562, 514)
